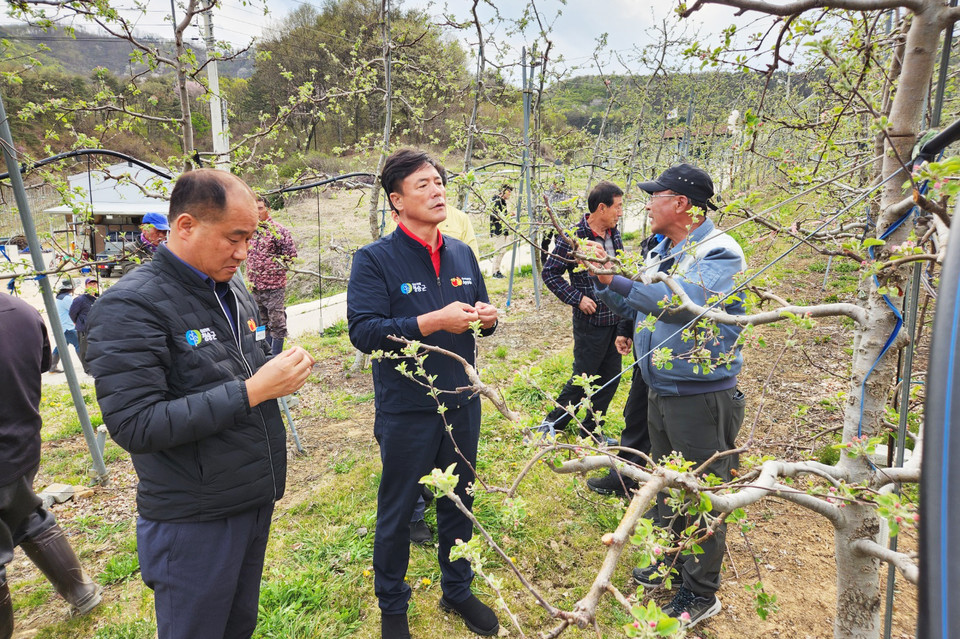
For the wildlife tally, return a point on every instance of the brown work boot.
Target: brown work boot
(52, 554)
(6, 611)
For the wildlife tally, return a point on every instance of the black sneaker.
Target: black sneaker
(420, 533)
(478, 616)
(698, 608)
(498, 275)
(394, 627)
(611, 484)
(649, 577)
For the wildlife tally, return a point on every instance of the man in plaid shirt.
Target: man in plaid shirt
(271, 249)
(594, 325)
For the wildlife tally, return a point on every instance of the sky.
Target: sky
(574, 26)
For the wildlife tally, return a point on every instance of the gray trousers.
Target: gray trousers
(697, 426)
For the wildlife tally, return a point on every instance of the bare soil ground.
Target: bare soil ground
(791, 550)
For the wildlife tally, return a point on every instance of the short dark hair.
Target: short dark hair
(261, 198)
(603, 193)
(403, 163)
(202, 193)
(506, 187)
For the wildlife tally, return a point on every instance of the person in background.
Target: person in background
(24, 522)
(695, 408)
(271, 251)
(418, 284)
(78, 313)
(457, 225)
(188, 388)
(153, 230)
(555, 195)
(498, 229)
(64, 301)
(594, 324)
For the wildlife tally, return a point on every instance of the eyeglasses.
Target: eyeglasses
(650, 197)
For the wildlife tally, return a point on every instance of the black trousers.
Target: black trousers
(594, 353)
(636, 433)
(411, 445)
(697, 426)
(22, 516)
(205, 575)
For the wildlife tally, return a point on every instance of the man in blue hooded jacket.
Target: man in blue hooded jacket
(694, 406)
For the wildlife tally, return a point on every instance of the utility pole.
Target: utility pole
(218, 117)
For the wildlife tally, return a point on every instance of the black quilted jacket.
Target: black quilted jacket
(170, 382)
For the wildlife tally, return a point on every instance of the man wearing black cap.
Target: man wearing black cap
(694, 405)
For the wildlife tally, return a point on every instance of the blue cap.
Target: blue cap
(158, 220)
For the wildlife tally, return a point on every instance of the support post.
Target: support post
(905, 382)
(36, 254)
(527, 91)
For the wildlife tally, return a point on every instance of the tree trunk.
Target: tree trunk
(477, 96)
(388, 112)
(858, 578)
(858, 583)
(186, 123)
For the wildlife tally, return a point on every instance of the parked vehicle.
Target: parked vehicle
(117, 244)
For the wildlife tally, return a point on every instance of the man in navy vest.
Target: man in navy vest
(419, 284)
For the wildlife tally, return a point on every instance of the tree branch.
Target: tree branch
(477, 385)
(799, 6)
(903, 562)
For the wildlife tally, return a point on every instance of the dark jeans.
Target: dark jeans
(635, 433)
(411, 445)
(205, 575)
(22, 516)
(697, 426)
(594, 353)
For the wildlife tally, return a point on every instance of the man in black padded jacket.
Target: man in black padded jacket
(185, 385)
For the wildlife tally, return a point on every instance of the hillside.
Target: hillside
(84, 51)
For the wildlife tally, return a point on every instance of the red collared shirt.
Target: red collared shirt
(434, 254)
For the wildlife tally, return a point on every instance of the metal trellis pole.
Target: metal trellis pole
(905, 383)
(527, 90)
(36, 254)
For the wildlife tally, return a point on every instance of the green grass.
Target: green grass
(127, 630)
(120, 567)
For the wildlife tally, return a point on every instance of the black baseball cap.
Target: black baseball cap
(687, 180)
